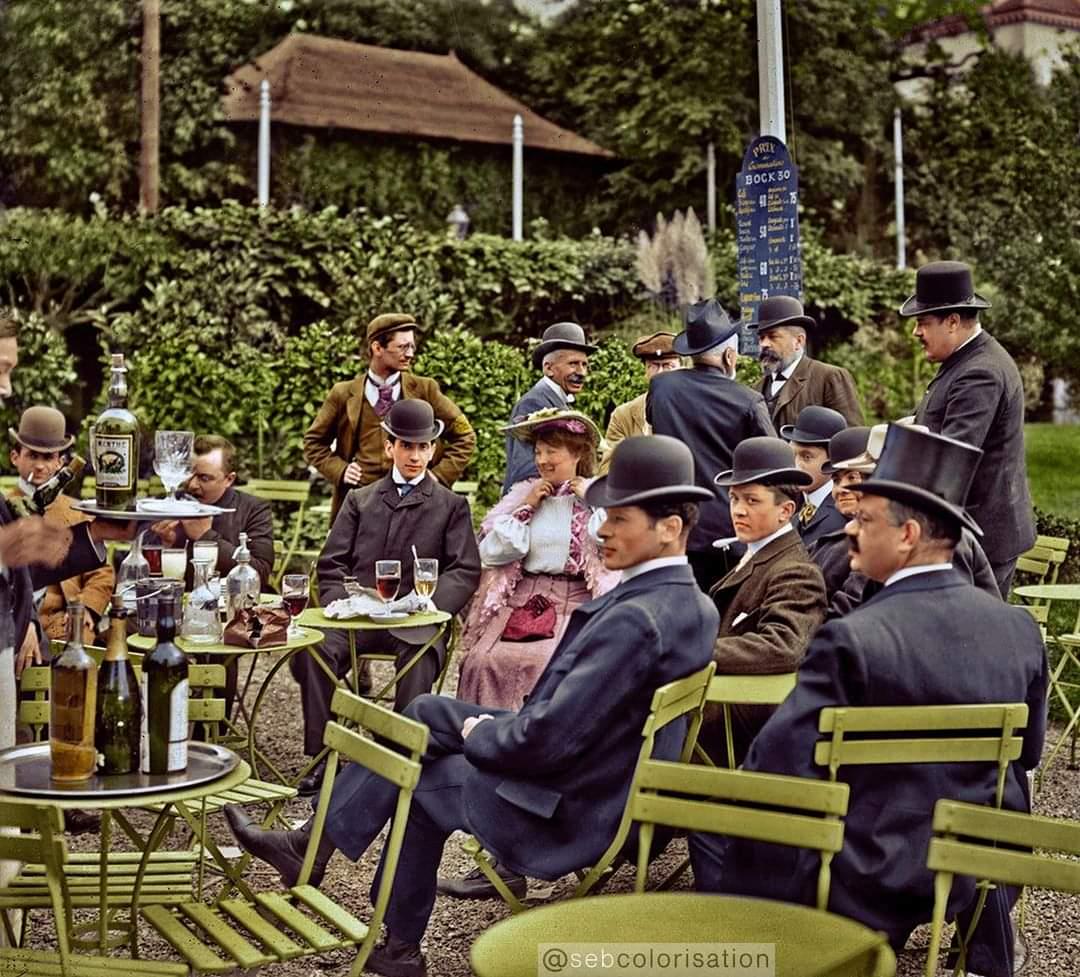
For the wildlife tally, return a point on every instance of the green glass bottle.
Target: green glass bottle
(72, 699)
(115, 445)
(119, 703)
(165, 697)
(47, 493)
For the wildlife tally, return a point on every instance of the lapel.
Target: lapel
(391, 497)
(736, 577)
(353, 406)
(822, 512)
(793, 384)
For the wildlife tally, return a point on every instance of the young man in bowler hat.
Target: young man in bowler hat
(929, 637)
(563, 356)
(976, 397)
(792, 379)
(543, 789)
(345, 441)
(711, 413)
(384, 521)
(627, 420)
(809, 437)
(773, 601)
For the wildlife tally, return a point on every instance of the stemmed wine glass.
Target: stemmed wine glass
(425, 579)
(174, 460)
(387, 582)
(295, 592)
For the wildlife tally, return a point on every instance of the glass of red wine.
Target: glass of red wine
(295, 593)
(387, 582)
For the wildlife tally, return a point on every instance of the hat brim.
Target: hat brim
(552, 345)
(416, 437)
(804, 321)
(38, 446)
(391, 329)
(526, 429)
(599, 493)
(789, 432)
(683, 348)
(860, 463)
(920, 499)
(763, 476)
(913, 307)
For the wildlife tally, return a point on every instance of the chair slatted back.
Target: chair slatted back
(1057, 550)
(741, 804)
(283, 490)
(762, 690)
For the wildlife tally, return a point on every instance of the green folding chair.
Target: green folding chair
(965, 842)
(729, 690)
(283, 490)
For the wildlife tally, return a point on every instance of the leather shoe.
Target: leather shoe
(475, 885)
(78, 822)
(396, 958)
(311, 783)
(284, 850)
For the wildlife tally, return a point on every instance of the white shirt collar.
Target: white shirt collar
(566, 398)
(376, 381)
(400, 479)
(818, 496)
(911, 571)
(659, 563)
(757, 544)
(974, 335)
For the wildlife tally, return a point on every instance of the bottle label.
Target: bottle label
(112, 460)
(176, 754)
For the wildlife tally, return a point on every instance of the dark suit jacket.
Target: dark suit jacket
(376, 524)
(818, 384)
(831, 554)
(826, 519)
(252, 516)
(977, 397)
(519, 455)
(710, 414)
(931, 638)
(548, 784)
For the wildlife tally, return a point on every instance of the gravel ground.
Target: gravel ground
(1052, 928)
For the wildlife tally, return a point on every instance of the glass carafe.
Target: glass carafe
(134, 569)
(202, 622)
(242, 584)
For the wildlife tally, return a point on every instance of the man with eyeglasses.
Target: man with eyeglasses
(345, 441)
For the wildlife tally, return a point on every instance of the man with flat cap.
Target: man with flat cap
(628, 420)
(710, 412)
(563, 357)
(345, 441)
(792, 379)
(543, 789)
(928, 638)
(809, 438)
(976, 397)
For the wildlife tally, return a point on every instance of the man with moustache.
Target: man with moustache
(792, 379)
(543, 789)
(976, 397)
(563, 356)
(929, 637)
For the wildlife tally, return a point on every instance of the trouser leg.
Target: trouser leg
(421, 676)
(316, 688)
(1003, 574)
(990, 952)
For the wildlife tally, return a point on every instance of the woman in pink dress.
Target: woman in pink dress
(540, 561)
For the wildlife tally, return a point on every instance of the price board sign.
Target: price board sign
(767, 217)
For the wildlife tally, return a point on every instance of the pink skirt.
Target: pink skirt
(501, 673)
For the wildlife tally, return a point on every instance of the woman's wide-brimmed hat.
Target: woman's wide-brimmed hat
(815, 425)
(927, 471)
(765, 461)
(781, 310)
(42, 428)
(412, 420)
(562, 335)
(943, 285)
(648, 468)
(866, 461)
(844, 448)
(707, 326)
(531, 426)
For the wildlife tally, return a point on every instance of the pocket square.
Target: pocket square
(739, 619)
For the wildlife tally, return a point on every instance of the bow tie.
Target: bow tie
(806, 513)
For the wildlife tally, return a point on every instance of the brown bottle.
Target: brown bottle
(72, 701)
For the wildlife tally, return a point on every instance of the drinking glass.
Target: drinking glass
(174, 460)
(153, 559)
(204, 551)
(387, 581)
(352, 587)
(425, 578)
(174, 563)
(295, 593)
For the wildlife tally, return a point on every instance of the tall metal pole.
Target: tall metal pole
(519, 176)
(264, 143)
(771, 69)
(898, 163)
(150, 116)
(710, 189)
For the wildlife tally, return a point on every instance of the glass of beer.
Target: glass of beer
(387, 581)
(425, 579)
(295, 594)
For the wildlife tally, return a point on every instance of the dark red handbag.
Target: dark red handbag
(533, 621)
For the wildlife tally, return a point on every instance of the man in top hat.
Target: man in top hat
(929, 637)
(408, 508)
(345, 441)
(628, 420)
(563, 357)
(976, 397)
(809, 437)
(774, 599)
(710, 412)
(543, 789)
(792, 379)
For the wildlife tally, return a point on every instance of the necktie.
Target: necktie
(766, 390)
(386, 399)
(806, 513)
(405, 488)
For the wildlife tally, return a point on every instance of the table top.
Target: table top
(24, 779)
(807, 941)
(314, 617)
(306, 639)
(1050, 591)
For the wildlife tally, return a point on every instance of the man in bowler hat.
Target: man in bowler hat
(976, 397)
(345, 441)
(406, 509)
(543, 789)
(929, 637)
(563, 357)
(710, 412)
(792, 379)
(809, 438)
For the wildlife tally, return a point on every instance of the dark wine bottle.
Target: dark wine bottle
(119, 704)
(114, 441)
(165, 697)
(47, 493)
(72, 699)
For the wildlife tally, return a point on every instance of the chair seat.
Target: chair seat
(249, 792)
(45, 963)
